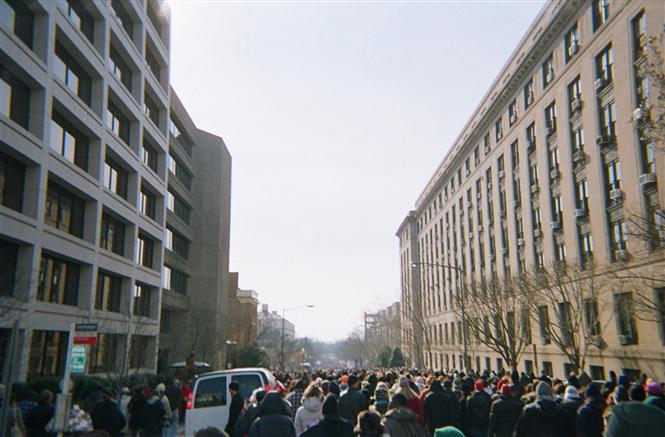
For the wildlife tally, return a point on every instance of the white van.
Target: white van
(209, 403)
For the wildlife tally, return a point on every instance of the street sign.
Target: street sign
(85, 339)
(79, 353)
(86, 327)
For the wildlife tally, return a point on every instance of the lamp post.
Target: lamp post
(460, 275)
(284, 310)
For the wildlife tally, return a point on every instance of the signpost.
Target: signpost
(79, 354)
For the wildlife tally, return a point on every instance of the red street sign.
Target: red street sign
(88, 339)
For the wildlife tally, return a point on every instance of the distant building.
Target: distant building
(273, 321)
(243, 305)
(384, 326)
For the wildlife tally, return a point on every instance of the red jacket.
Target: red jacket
(417, 406)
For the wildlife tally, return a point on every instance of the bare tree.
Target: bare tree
(651, 65)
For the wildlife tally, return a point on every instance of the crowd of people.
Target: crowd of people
(373, 403)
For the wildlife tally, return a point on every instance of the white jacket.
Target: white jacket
(308, 414)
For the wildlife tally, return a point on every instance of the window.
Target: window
(173, 128)
(48, 354)
(548, 70)
(608, 121)
(71, 73)
(486, 143)
(103, 354)
(586, 247)
(138, 351)
(515, 154)
(648, 153)
(115, 177)
(533, 175)
(578, 140)
(151, 109)
(147, 203)
(528, 94)
(153, 64)
(659, 295)
(64, 210)
(118, 123)
(544, 324)
(565, 322)
(557, 210)
(599, 12)
(154, 17)
(109, 291)
(178, 170)
(536, 218)
(211, 392)
(177, 243)
(597, 373)
(498, 129)
(170, 201)
(512, 112)
(613, 174)
(591, 317)
(604, 62)
(80, 17)
(120, 69)
(112, 235)
(8, 263)
(144, 250)
(618, 235)
(142, 297)
(571, 43)
(179, 207)
(120, 13)
(554, 160)
(12, 180)
(58, 281)
(575, 96)
(14, 98)
(149, 154)
(17, 18)
(639, 25)
(550, 118)
(526, 326)
(69, 142)
(531, 137)
(476, 156)
(582, 195)
(626, 325)
(175, 280)
(560, 256)
(642, 92)
(165, 321)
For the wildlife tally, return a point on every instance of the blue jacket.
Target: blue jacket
(589, 422)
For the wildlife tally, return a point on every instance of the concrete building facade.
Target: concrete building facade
(383, 327)
(243, 304)
(552, 169)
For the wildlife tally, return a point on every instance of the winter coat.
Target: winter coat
(656, 401)
(37, 420)
(440, 409)
(330, 426)
(416, 405)
(295, 401)
(107, 416)
(244, 422)
(135, 408)
(504, 412)
(308, 415)
(478, 412)
(402, 422)
(153, 416)
(174, 395)
(237, 404)
(350, 404)
(542, 418)
(589, 421)
(274, 418)
(571, 406)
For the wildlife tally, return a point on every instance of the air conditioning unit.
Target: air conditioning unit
(576, 105)
(597, 341)
(534, 188)
(579, 212)
(479, 195)
(579, 156)
(603, 140)
(600, 83)
(554, 174)
(520, 242)
(555, 226)
(625, 339)
(616, 195)
(502, 174)
(647, 179)
(621, 255)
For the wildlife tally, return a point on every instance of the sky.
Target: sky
(336, 115)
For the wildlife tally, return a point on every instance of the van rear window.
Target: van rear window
(211, 392)
(248, 383)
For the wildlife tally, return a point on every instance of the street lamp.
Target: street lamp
(284, 310)
(460, 275)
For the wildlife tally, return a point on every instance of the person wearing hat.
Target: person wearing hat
(572, 401)
(244, 422)
(635, 419)
(589, 421)
(440, 408)
(504, 413)
(237, 405)
(400, 420)
(381, 397)
(331, 425)
(655, 395)
(155, 413)
(353, 401)
(542, 417)
(274, 418)
(477, 413)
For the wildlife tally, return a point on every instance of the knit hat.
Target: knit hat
(353, 379)
(571, 393)
(635, 419)
(592, 390)
(620, 394)
(543, 389)
(329, 405)
(653, 388)
(636, 393)
(448, 431)
(479, 385)
(624, 381)
(506, 389)
(161, 388)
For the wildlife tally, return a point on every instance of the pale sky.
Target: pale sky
(336, 115)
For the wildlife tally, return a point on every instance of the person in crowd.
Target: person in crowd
(478, 410)
(331, 425)
(123, 405)
(353, 401)
(309, 413)
(439, 408)
(136, 409)
(236, 407)
(155, 413)
(106, 415)
(369, 425)
(571, 402)
(334, 389)
(244, 423)
(274, 418)
(401, 420)
(448, 431)
(637, 393)
(381, 398)
(542, 417)
(655, 394)
(40, 415)
(412, 399)
(27, 402)
(174, 395)
(504, 412)
(635, 419)
(294, 398)
(589, 421)
(211, 431)
(14, 426)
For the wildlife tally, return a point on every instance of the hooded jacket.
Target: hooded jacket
(330, 426)
(352, 403)
(107, 416)
(589, 421)
(402, 422)
(504, 413)
(440, 408)
(542, 418)
(274, 418)
(308, 414)
(478, 411)
(153, 416)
